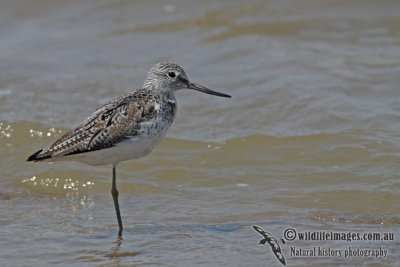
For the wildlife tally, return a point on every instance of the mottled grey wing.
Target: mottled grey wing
(122, 122)
(110, 124)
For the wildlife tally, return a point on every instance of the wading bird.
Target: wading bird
(128, 127)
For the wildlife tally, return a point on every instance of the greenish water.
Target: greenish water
(310, 139)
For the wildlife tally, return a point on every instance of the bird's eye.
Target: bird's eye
(171, 74)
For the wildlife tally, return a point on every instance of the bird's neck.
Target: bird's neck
(169, 95)
(164, 91)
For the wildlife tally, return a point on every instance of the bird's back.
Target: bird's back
(135, 122)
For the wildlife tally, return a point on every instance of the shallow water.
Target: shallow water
(308, 141)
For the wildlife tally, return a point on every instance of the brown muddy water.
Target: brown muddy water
(310, 139)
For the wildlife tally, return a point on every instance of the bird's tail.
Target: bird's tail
(36, 156)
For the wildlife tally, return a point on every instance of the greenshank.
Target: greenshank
(128, 127)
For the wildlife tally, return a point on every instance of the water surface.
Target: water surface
(309, 140)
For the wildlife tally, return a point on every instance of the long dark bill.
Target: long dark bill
(203, 89)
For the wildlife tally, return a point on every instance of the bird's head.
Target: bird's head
(170, 76)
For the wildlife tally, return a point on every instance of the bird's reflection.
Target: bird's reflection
(116, 254)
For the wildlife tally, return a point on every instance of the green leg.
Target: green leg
(114, 193)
